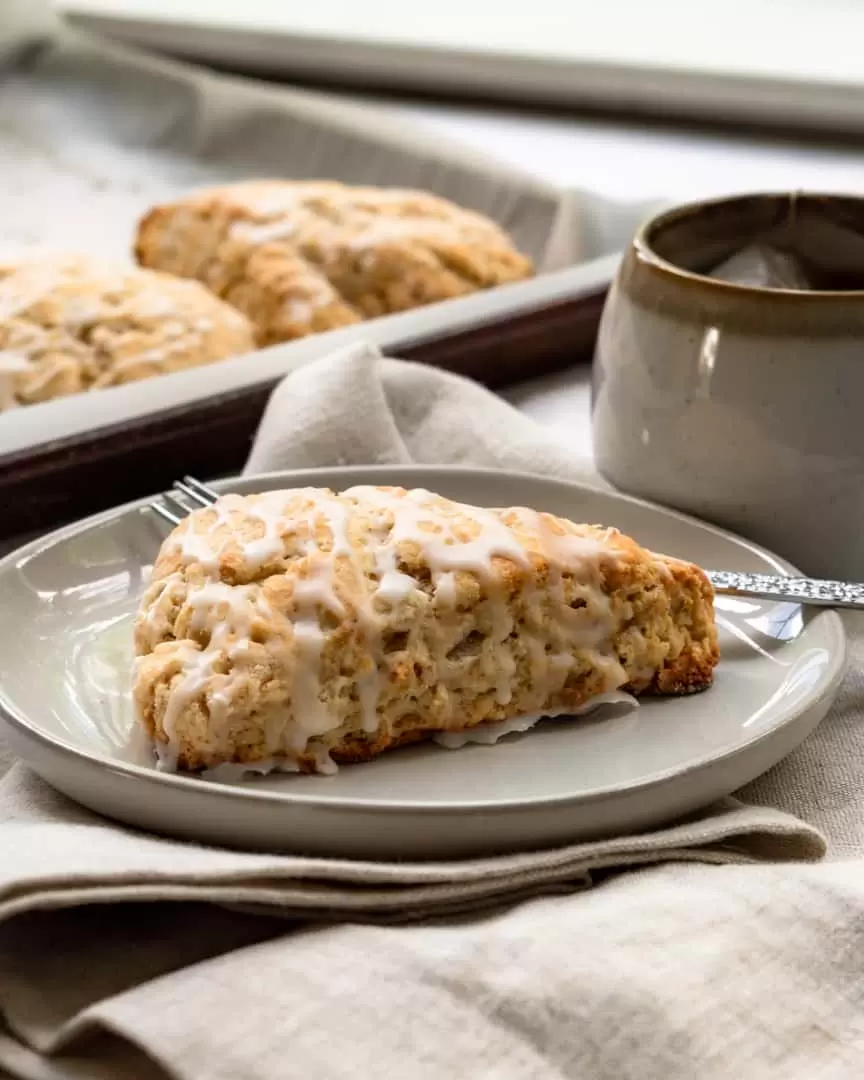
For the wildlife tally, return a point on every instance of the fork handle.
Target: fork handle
(800, 590)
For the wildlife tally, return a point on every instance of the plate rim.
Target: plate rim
(178, 782)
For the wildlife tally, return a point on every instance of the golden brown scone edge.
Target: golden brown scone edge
(581, 611)
(303, 257)
(72, 323)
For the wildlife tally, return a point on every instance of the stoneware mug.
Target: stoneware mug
(743, 403)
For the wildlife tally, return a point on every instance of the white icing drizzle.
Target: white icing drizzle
(413, 515)
(232, 771)
(194, 548)
(310, 713)
(315, 525)
(226, 613)
(139, 323)
(489, 734)
(265, 232)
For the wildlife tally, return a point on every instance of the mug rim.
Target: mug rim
(648, 257)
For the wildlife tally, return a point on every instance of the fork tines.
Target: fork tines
(187, 495)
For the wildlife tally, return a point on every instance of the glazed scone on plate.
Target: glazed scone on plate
(299, 258)
(301, 628)
(70, 323)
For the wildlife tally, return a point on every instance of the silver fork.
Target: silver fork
(190, 494)
(173, 506)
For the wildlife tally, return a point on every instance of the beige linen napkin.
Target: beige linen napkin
(736, 953)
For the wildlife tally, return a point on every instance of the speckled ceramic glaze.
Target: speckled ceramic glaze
(741, 404)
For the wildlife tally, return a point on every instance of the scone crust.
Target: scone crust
(69, 323)
(299, 258)
(557, 614)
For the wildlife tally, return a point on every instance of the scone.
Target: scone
(70, 323)
(299, 258)
(302, 628)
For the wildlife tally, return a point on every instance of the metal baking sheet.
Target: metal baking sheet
(92, 134)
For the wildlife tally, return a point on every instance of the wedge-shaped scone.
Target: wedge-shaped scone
(305, 627)
(70, 323)
(299, 258)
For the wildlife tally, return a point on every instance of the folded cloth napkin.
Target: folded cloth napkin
(727, 949)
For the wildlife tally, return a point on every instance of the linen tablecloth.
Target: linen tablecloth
(721, 946)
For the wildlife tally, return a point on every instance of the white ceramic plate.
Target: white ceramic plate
(68, 602)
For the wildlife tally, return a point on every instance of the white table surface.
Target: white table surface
(641, 160)
(632, 161)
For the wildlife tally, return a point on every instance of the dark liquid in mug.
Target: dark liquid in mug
(823, 279)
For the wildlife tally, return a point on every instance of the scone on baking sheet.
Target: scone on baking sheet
(299, 258)
(70, 323)
(305, 627)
